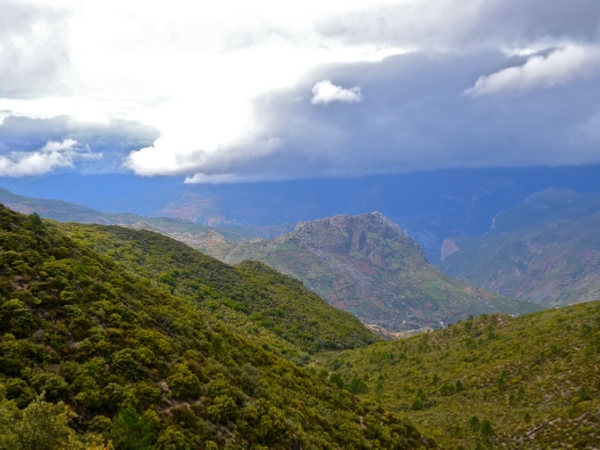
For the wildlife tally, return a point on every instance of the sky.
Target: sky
(236, 91)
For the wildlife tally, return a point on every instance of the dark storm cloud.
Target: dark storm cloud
(33, 48)
(105, 144)
(414, 116)
(487, 84)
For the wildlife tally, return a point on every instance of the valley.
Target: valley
(314, 225)
(545, 250)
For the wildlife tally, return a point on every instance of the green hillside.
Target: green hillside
(367, 265)
(250, 296)
(491, 382)
(546, 250)
(90, 351)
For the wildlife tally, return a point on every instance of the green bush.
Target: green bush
(183, 383)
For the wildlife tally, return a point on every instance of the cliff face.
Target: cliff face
(371, 236)
(367, 265)
(449, 247)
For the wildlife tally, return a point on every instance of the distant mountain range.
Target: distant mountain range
(197, 236)
(367, 265)
(545, 250)
(430, 206)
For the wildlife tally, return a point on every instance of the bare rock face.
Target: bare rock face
(449, 247)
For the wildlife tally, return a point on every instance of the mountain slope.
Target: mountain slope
(259, 295)
(493, 382)
(146, 369)
(546, 250)
(367, 265)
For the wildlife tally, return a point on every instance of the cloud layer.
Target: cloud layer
(247, 92)
(33, 146)
(33, 48)
(541, 72)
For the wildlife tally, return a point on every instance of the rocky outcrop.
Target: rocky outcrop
(449, 247)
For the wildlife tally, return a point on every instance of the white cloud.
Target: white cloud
(33, 48)
(325, 92)
(559, 67)
(52, 156)
(151, 161)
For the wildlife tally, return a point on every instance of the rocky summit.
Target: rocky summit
(367, 265)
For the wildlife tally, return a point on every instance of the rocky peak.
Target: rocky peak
(347, 223)
(372, 235)
(449, 247)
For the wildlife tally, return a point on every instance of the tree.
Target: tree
(486, 428)
(131, 432)
(44, 426)
(183, 383)
(34, 222)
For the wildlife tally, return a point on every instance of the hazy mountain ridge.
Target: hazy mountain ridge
(333, 253)
(430, 206)
(546, 250)
(367, 265)
(197, 236)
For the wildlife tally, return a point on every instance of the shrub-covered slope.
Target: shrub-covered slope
(251, 295)
(124, 359)
(367, 265)
(495, 381)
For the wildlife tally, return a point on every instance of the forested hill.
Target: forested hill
(92, 352)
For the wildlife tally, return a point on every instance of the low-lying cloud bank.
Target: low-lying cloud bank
(35, 146)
